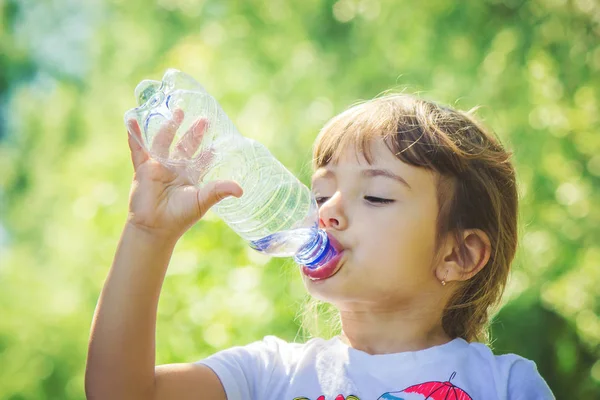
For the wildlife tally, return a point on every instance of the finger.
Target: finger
(164, 137)
(204, 158)
(138, 153)
(216, 191)
(189, 143)
(200, 163)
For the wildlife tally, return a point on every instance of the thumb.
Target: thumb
(216, 191)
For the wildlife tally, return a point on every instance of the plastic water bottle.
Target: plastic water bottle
(277, 214)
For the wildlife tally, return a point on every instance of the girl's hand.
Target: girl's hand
(164, 200)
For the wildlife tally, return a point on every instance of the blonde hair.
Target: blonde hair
(476, 190)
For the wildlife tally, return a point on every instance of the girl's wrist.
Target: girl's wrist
(153, 237)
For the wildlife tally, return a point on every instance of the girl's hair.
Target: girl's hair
(476, 187)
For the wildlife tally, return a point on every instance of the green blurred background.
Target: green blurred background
(281, 69)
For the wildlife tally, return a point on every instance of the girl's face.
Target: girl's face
(384, 217)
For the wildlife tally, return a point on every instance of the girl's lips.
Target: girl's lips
(330, 268)
(324, 272)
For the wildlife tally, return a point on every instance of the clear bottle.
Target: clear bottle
(277, 214)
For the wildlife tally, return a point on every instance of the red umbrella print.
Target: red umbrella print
(434, 390)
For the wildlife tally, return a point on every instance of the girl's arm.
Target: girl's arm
(164, 203)
(122, 341)
(121, 361)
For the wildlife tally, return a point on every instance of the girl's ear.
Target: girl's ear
(464, 260)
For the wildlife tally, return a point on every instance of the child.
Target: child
(422, 202)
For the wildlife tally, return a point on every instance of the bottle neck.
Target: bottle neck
(316, 252)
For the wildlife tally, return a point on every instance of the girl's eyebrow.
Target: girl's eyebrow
(368, 173)
(321, 173)
(384, 172)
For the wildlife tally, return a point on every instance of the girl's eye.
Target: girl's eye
(321, 200)
(378, 200)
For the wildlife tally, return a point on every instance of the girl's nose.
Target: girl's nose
(331, 214)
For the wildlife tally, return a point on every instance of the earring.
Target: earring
(444, 280)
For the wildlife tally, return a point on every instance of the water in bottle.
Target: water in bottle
(277, 214)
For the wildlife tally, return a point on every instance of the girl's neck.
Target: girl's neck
(391, 331)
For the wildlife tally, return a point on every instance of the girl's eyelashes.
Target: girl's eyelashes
(378, 200)
(370, 199)
(321, 200)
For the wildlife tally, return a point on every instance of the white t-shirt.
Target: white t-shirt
(331, 370)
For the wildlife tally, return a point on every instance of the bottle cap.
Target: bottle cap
(316, 252)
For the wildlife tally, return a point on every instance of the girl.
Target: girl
(421, 201)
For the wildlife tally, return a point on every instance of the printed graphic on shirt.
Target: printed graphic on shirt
(338, 397)
(434, 390)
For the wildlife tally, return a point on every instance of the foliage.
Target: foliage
(280, 70)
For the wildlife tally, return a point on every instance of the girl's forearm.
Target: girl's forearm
(121, 354)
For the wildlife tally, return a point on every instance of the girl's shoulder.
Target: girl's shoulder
(505, 360)
(458, 351)
(521, 374)
(274, 359)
